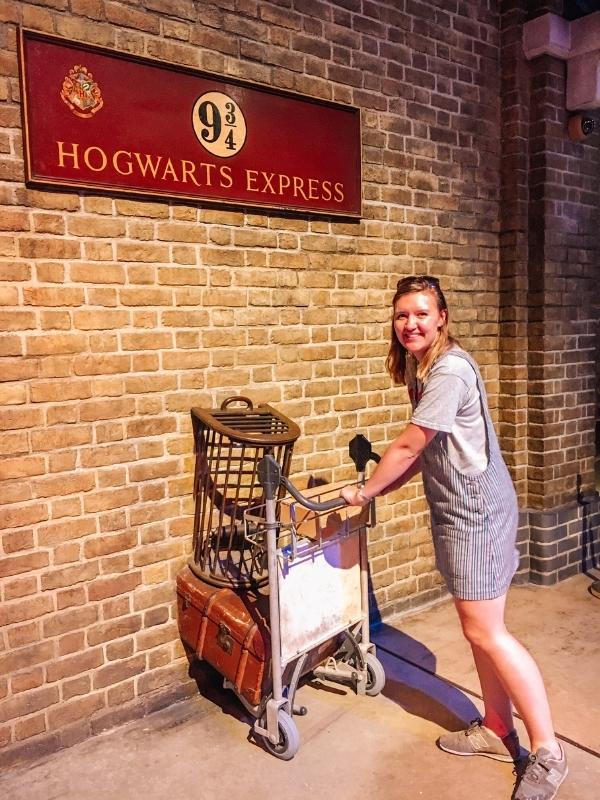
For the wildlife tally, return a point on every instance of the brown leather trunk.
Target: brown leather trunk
(229, 629)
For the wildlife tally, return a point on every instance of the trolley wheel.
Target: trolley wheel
(375, 675)
(289, 738)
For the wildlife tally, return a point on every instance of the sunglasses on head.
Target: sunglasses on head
(430, 281)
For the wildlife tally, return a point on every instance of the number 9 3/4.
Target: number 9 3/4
(219, 124)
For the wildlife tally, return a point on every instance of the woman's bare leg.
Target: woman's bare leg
(498, 715)
(483, 626)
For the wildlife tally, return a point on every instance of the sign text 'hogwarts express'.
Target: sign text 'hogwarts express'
(98, 119)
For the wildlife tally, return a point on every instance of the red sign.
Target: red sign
(99, 119)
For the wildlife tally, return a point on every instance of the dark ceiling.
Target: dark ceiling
(573, 9)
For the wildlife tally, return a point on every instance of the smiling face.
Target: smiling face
(417, 320)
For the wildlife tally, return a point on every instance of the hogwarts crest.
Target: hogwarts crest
(81, 92)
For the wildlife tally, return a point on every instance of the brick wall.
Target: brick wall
(563, 225)
(549, 257)
(119, 315)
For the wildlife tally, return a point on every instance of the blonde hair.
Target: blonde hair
(396, 359)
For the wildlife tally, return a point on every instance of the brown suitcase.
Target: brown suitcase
(228, 629)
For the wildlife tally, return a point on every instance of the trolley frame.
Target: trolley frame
(356, 662)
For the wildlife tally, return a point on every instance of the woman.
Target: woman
(473, 505)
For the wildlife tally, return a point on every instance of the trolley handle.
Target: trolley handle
(313, 505)
(270, 477)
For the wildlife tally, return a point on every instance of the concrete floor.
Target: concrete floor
(353, 747)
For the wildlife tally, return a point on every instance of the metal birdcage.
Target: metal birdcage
(230, 442)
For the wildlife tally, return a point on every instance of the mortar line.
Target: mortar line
(464, 689)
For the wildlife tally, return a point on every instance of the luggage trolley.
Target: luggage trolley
(318, 591)
(277, 586)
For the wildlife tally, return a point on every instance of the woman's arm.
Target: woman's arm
(404, 478)
(395, 467)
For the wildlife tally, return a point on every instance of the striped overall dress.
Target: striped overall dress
(474, 518)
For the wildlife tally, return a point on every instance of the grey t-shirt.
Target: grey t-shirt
(449, 401)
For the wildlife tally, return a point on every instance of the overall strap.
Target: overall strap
(489, 427)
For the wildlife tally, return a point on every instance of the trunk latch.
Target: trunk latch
(224, 639)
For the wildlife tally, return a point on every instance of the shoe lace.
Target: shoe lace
(474, 725)
(534, 771)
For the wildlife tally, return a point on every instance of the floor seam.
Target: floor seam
(470, 692)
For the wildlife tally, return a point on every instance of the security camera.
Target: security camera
(580, 126)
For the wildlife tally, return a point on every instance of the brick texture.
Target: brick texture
(549, 255)
(118, 315)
